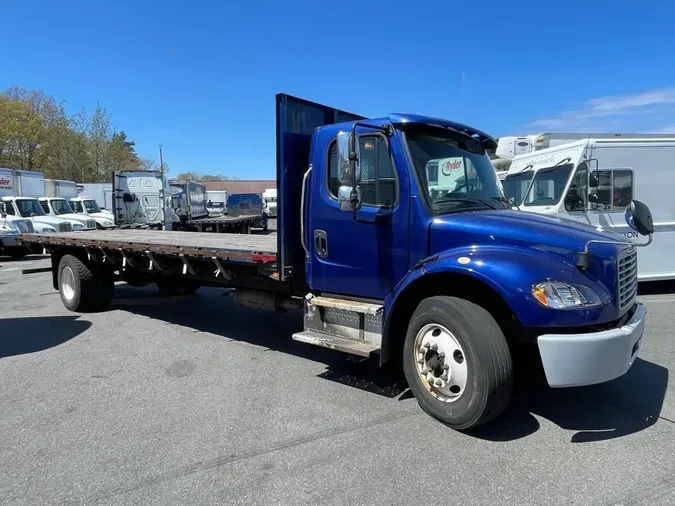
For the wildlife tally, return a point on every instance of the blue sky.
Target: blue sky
(200, 77)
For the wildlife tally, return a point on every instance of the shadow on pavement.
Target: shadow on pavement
(19, 336)
(624, 406)
(610, 410)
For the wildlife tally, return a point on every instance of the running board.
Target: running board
(346, 305)
(360, 348)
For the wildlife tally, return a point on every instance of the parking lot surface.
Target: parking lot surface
(197, 401)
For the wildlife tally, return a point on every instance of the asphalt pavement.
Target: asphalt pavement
(196, 401)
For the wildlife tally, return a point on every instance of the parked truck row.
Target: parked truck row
(446, 285)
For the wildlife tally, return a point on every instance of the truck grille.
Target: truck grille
(627, 271)
(91, 224)
(65, 227)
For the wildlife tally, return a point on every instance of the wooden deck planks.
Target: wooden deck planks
(194, 243)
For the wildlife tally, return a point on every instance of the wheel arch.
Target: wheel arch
(426, 285)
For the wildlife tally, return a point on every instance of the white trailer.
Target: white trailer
(60, 188)
(592, 181)
(101, 192)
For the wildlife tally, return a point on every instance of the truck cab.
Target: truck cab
(60, 208)
(270, 202)
(30, 209)
(10, 228)
(88, 207)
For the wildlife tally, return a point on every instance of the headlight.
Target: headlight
(558, 295)
(48, 230)
(77, 225)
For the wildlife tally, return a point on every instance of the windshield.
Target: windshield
(216, 204)
(454, 171)
(61, 206)
(515, 185)
(92, 206)
(29, 207)
(548, 185)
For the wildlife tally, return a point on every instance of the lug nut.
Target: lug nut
(444, 377)
(425, 345)
(425, 370)
(434, 346)
(438, 383)
(441, 355)
(446, 367)
(420, 361)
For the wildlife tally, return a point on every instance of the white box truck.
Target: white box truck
(56, 202)
(18, 192)
(592, 181)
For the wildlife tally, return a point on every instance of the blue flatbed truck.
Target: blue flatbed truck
(441, 285)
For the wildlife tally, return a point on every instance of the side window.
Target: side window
(9, 207)
(575, 200)
(615, 188)
(378, 178)
(623, 188)
(77, 206)
(45, 206)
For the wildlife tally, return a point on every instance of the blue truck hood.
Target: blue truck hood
(515, 228)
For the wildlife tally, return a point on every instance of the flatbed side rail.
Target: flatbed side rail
(229, 255)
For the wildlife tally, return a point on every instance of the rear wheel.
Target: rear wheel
(82, 287)
(457, 362)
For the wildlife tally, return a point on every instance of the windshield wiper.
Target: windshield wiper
(505, 200)
(472, 200)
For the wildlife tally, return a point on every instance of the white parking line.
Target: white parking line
(10, 269)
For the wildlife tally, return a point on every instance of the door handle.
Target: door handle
(321, 243)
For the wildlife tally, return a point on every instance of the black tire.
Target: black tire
(170, 287)
(79, 287)
(488, 361)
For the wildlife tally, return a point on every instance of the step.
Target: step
(346, 305)
(361, 348)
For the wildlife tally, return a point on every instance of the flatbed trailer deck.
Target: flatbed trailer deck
(227, 223)
(230, 247)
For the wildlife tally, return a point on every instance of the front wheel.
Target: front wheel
(457, 362)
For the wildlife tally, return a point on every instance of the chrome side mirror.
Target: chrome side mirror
(349, 198)
(639, 218)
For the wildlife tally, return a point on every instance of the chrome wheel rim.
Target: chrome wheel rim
(68, 283)
(440, 362)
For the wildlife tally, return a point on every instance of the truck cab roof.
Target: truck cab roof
(398, 119)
